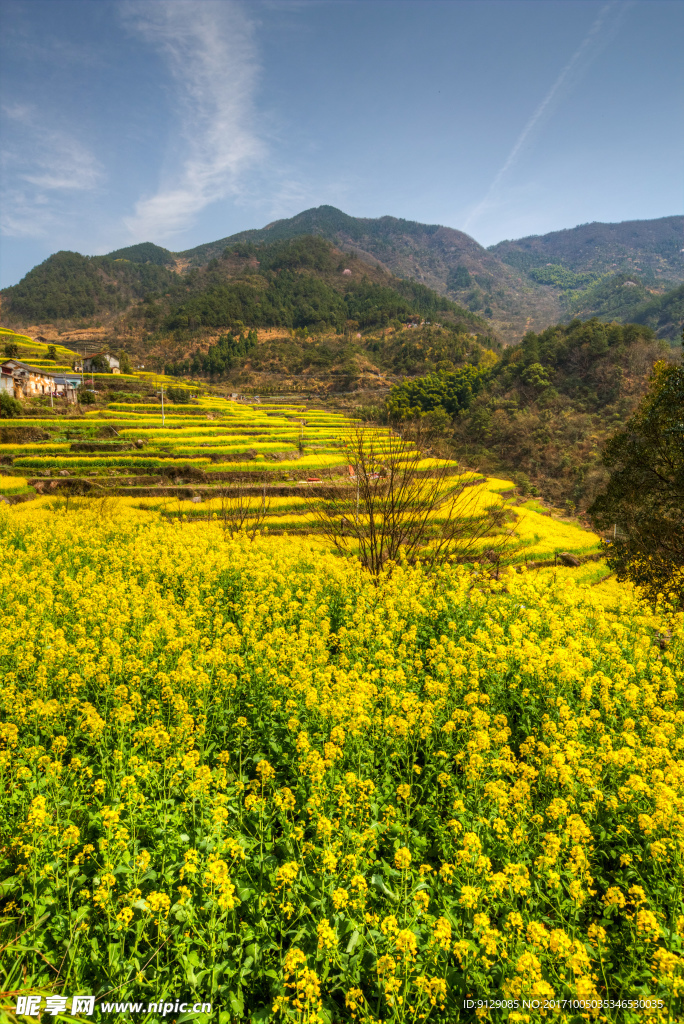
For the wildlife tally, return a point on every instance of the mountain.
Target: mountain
(69, 286)
(520, 285)
(145, 252)
(446, 260)
(652, 249)
(622, 272)
(664, 313)
(301, 282)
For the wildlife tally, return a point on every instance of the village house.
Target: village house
(26, 381)
(101, 362)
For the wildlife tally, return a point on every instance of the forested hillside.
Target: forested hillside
(544, 409)
(69, 286)
(303, 282)
(652, 249)
(144, 252)
(275, 276)
(625, 297)
(448, 261)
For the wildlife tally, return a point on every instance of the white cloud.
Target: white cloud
(40, 163)
(211, 55)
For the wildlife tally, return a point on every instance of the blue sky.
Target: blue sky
(182, 121)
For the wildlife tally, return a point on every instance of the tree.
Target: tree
(239, 512)
(85, 396)
(459, 277)
(125, 362)
(11, 349)
(399, 505)
(642, 508)
(450, 391)
(52, 353)
(9, 407)
(98, 364)
(179, 396)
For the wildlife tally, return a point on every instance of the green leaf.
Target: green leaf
(237, 1002)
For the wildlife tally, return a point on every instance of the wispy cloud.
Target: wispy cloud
(211, 55)
(41, 164)
(585, 52)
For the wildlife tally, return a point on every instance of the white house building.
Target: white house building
(95, 360)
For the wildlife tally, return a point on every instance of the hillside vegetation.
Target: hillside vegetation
(652, 249)
(543, 411)
(293, 283)
(72, 287)
(513, 287)
(144, 252)
(301, 283)
(625, 297)
(448, 261)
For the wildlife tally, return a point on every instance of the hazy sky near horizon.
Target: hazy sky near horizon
(183, 121)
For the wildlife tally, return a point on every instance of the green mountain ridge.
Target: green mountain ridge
(444, 259)
(145, 252)
(653, 249)
(296, 283)
(507, 290)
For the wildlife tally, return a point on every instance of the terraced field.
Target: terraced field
(186, 460)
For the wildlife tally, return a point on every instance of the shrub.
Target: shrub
(179, 395)
(9, 407)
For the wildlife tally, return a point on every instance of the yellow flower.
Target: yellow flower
(37, 816)
(287, 873)
(340, 899)
(354, 1001)
(406, 942)
(185, 894)
(402, 859)
(327, 938)
(125, 917)
(469, 896)
(265, 771)
(442, 932)
(158, 903)
(434, 988)
(142, 861)
(422, 899)
(390, 925)
(647, 925)
(614, 898)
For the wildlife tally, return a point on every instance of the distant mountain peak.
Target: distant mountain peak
(144, 252)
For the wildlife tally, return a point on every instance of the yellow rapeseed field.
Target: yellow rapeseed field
(248, 774)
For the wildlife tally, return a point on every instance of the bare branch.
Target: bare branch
(240, 512)
(396, 504)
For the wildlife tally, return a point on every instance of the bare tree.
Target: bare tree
(240, 512)
(394, 504)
